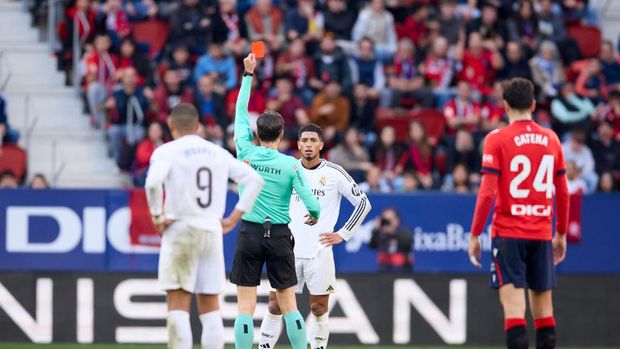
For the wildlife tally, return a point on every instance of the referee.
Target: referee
(264, 236)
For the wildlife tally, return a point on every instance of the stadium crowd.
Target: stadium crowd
(353, 67)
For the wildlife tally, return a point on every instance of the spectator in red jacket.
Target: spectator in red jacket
(82, 14)
(479, 62)
(295, 65)
(462, 111)
(144, 150)
(115, 20)
(100, 75)
(415, 27)
(419, 156)
(439, 68)
(611, 113)
(266, 22)
(169, 94)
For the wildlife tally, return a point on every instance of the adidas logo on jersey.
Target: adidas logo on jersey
(265, 346)
(329, 289)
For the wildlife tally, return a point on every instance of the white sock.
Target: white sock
(179, 330)
(212, 330)
(319, 332)
(270, 330)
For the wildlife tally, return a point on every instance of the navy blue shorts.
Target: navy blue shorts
(523, 263)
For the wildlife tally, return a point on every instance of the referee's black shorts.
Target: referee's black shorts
(254, 250)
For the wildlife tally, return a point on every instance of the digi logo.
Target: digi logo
(530, 210)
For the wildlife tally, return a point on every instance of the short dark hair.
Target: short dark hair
(579, 135)
(614, 94)
(518, 93)
(184, 117)
(7, 173)
(310, 127)
(269, 126)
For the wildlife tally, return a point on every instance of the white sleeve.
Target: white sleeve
(252, 182)
(350, 190)
(159, 169)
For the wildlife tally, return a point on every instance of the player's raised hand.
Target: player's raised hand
(329, 239)
(310, 220)
(249, 63)
(474, 251)
(559, 248)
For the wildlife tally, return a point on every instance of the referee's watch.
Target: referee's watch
(246, 73)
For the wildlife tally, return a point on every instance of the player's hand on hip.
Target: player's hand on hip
(559, 248)
(231, 221)
(329, 239)
(310, 220)
(249, 63)
(228, 225)
(161, 224)
(474, 251)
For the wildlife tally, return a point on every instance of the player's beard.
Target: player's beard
(310, 158)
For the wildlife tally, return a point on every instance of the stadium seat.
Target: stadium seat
(14, 159)
(152, 32)
(433, 121)
(588, 38)
(399, 123)
(572, 73)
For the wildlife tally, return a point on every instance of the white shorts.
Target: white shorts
(318, 273)
(191, 259)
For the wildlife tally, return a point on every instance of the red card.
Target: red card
(258, 49)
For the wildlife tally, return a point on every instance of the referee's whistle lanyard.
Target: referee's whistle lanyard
(267, 226)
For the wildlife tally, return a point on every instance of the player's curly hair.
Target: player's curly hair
(310, 127)
(518, 93)
(269, 126)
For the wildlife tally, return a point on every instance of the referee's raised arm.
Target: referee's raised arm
(243, 131)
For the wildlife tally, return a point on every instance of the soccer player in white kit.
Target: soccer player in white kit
(194, 174)
(314, 260)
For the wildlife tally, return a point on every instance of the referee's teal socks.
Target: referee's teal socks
(296, 329)
(244, 331)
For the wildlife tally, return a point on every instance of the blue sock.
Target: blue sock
(244, 331)
(296, 330)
